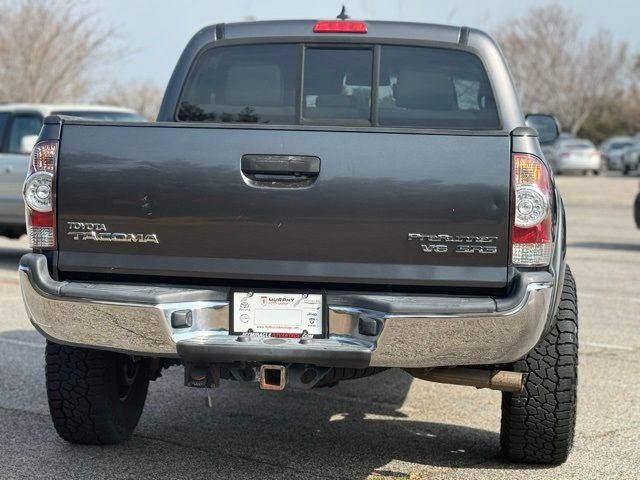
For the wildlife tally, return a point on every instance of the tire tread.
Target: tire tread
(80, 393)
(538, 424)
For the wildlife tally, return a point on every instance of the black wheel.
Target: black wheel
(626, 169)
(636, 210)
(538, 424)
(95, 397)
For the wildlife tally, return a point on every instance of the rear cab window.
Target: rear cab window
(430, 87)
(337, 85)
(333, 84)
(242, 84)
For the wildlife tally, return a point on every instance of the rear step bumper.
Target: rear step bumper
(412, 331)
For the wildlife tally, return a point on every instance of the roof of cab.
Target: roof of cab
(304, 28)
(46, 109)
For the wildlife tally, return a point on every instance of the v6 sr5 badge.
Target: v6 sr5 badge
(463, 244)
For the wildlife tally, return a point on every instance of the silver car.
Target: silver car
(576, 155)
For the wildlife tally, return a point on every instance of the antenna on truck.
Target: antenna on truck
(343, 14)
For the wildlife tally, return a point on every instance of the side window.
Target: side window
(21, 127)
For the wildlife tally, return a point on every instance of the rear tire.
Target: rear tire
(538, 424)
(95, 397)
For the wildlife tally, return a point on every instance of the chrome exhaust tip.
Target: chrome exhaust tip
(273, 377)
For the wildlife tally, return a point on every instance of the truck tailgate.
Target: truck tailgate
(184, 184)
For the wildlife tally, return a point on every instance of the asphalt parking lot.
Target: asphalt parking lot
(387, 426)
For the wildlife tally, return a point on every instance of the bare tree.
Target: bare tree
(144, 97)
(51, 51)
(619, 115)
(559, 70)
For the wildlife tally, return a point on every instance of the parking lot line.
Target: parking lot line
(608, 345)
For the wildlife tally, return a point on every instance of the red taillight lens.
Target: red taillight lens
(538, 234)
(40, 219)
(531, 237)
(39, 196)
(340, 26)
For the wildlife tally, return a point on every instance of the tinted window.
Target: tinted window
(437, 88)
(255, 83)
(337, 84)
(22, 126)
(4, 117)
(417, 87)
(105, 116)
(619, 145)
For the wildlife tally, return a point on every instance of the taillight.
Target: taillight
(39, 196)
(339, 26)
(531, 237)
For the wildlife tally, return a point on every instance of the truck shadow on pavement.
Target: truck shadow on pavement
(353, 430)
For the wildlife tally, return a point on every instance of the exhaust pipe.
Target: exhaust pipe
(502, 380)
(273, 377)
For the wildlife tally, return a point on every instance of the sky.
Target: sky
(156, 31)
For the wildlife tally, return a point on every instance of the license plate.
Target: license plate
(278, 314)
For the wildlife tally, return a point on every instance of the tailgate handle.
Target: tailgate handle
(293, 166)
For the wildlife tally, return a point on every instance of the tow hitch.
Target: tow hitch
(267, 376)
(273, 377)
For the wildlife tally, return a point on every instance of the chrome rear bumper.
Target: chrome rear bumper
(414, 331)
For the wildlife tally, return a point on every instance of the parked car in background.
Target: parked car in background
(612, 150)
(631, 157)
(576, 155)
(20, 125)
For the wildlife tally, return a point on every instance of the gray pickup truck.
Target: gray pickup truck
(319, 201)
